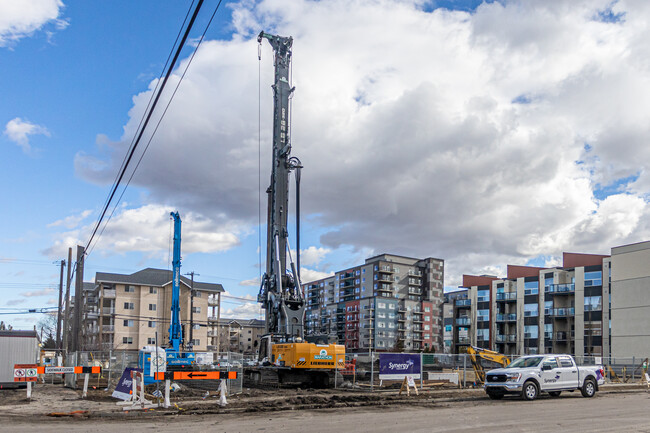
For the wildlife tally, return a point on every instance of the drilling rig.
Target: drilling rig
(283, 348)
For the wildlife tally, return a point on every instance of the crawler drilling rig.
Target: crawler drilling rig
(283, 349)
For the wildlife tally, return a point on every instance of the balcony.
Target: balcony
(346, 276)
(414, 273)
(560, 336)
(564, 312)
(482, 318)
(384, 287)
(388, 269)
(507, 296)
(463, 321)
(385, 277)
(212, 318)
(401, 318)
(108, 310)
(212, 348)
(463, 340)
(213, 302)
(212, 333)
(108, 328)
(560, 289)
(109, 293)
(463, 303)
(512, 317)
(507, 338)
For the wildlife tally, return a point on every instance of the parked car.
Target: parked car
(533, 374)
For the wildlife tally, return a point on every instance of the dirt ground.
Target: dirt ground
(55, 405)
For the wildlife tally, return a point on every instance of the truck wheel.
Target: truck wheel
(555, 393)
(529, 391)
(588, 388)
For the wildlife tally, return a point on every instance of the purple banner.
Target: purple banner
(399, 365)
(124, 387)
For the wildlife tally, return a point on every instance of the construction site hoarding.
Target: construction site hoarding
(16, 347)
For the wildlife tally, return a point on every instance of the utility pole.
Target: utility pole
(78, 301)
(66, 319)
(192, 310)
(218, 321)
(59, 314)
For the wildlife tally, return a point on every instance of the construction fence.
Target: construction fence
(362, 370)
(114, 362)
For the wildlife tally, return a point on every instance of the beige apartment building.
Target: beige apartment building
(240, 335)
(128, 312)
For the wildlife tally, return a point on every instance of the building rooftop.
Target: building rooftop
(153, 277)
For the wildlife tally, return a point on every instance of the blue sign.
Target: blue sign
(397, 366)
(124, 387)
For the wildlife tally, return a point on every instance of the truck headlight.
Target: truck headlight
(513, 377)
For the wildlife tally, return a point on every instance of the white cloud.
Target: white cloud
(248, 310)
(19, 130)
(254, 282)
(448, 134)
(307, 275)
(72, 221)
(313, 255)
(19, 19)
(149, 229)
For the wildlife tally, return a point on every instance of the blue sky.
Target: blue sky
(413, 135)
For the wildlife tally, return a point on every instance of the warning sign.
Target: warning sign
(25, 372)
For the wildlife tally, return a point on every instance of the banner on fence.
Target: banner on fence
(124, 387)
(396, 366)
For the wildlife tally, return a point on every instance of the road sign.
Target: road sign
(197, 375)
(25, 372)
(68, 370)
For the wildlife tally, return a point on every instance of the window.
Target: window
(531, 310)
(128, 323)
(427, 318)
(381, 315)
(594, 278)
(356, 272)
(197, 294)
(153, 290)
(376, 277)
(483, 334)
(593, 303)
(363, 271)
(129, 289)
(397, 269)
(483, 316)
(391, 325)
(196, 309)
(427, 309)
(391, 306)
(548, 307)
(565, 361)
(151, 340)
(426, 327)
(196, 342)
(129, 306)
(531, 331)
(531, 287)
(363, 279)
(152, 323)
(381, 324)
(127, 340)
(152, 307)
(381, 305)
(482, 295)
(197, 326)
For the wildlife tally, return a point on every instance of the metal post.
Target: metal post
(78, 301)
(58, 316)
(66, 319)
(167, 402)
(372, 371)
(191, 310)
(464, 368)
(85, 391)
(29, 390)
(218, 323)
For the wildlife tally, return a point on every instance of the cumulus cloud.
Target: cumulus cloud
(248, 310)
(148, 229)
(19, 130)
(15, 302)
(71, 221)
(477, 137)
(19, 19)
(313, 255)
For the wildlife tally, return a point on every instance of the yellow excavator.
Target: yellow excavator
(478, 354)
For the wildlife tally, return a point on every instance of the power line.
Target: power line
(144, 124)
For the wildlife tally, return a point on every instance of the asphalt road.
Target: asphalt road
(607, 412)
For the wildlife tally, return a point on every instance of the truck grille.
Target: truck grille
(496, 378)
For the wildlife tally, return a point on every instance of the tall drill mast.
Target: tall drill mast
(280, 292)
(175, 330)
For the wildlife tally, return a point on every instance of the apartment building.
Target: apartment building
(239, 335)
(630, 312)
(388, 303)
(127, 312)
(451, 311)
(539, 310)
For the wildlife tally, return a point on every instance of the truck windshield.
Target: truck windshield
(526, 362)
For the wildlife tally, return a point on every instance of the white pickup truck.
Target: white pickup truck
(530, 375)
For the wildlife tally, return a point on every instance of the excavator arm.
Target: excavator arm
(476, 354)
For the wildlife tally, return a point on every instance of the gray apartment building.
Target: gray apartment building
(538, 310)
(388, 303)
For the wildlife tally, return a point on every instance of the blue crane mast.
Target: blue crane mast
(175, 329)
